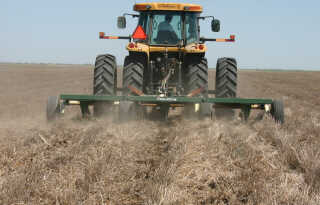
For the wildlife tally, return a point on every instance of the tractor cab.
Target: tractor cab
(167, 44)
(166, 24)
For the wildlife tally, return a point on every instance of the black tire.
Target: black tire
(105, 80)
(133, 71)
(196, 77)
(277, 111)
(226, 83)
(53, 108)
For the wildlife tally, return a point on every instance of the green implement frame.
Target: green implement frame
(90, 99)
(56, 105)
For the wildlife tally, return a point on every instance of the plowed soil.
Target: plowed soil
(182, 161)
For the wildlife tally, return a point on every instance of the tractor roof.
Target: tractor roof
(167, 7)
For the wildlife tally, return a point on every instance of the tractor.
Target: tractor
(165, 68)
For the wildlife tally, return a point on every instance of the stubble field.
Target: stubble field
(182, 161)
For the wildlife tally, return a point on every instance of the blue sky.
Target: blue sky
(279, 34)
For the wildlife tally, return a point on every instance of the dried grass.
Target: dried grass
(180, 162)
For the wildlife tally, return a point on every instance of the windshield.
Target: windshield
(168, 29)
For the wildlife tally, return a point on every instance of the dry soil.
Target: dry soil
(182, 161)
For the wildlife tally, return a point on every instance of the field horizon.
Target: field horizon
(120, 66)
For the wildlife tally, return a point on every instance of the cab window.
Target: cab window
(192, 34)
(166, 28)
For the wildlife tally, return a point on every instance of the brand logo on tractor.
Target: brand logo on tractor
(167, 99)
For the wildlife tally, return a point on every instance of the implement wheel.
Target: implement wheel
(53, 108)
(105, 80)
(277, 111)
(226, 83)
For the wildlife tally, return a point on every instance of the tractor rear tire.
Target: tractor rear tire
(197, 75)
(226, 84)
(133, 70)
(105, 81)
(277, 111)
(197, 78)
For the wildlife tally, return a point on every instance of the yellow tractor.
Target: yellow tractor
(166, 56)
(166, 68)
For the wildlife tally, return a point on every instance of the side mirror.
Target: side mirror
(215, 25)
(122, 22)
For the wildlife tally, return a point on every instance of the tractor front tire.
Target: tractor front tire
(105, 81)
(226, 84)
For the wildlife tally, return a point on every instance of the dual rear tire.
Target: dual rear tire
(105, 82)
(225, 84)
